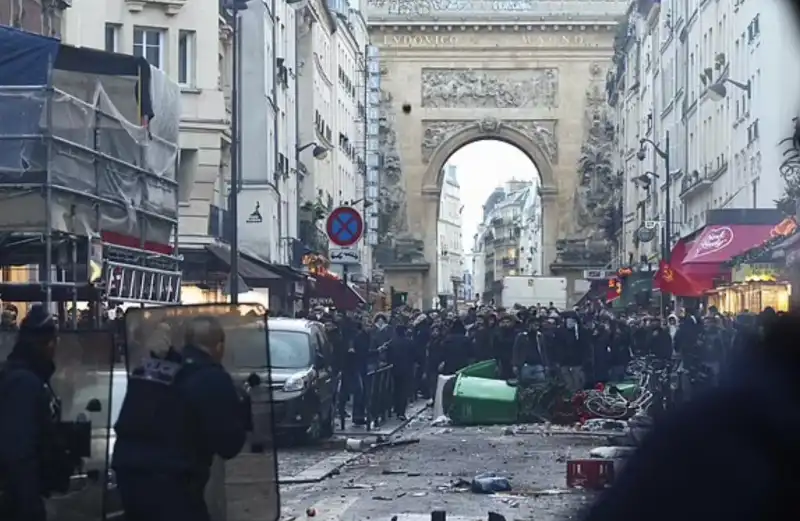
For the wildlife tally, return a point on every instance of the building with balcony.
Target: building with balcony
(497, 251)
(349, 118)
(449, 248)
(268, 197)
(317, 80)
(706, 74)
(332, 40)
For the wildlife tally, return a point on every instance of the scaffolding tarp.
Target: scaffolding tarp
(100, 128)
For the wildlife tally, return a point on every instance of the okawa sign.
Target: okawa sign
(712, 241)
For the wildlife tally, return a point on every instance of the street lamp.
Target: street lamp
(319, 152)
(717, 90)
(666, 244)
(233, 203)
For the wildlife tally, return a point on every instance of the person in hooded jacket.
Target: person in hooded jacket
(29, 412)
(455, 348)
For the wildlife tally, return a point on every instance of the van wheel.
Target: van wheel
(328, 422)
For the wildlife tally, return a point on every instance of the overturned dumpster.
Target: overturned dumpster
(479, 398)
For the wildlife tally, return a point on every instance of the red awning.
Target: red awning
(720, 243)
(331, 291)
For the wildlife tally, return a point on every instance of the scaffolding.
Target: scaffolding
(88, 161)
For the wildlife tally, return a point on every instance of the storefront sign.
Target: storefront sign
(325, 302)
(757, 272)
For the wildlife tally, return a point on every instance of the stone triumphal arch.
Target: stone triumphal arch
(531, 73)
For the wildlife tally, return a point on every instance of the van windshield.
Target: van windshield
(288, 349)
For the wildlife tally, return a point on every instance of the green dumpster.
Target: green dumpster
(485, 369)
(483, 401)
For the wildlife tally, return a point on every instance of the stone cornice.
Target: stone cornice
(491, 27)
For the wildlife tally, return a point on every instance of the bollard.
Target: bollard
(438, 515)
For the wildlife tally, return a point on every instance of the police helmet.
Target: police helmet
(39, 321)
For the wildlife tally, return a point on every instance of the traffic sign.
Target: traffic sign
(345, 256)
(344, 226)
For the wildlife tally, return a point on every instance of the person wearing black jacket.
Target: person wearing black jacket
(504, 340)
(401, 356)
(572, 351)
(28, 415)
(178, 413)
(455, 348)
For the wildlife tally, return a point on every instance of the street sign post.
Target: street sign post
(344, 226)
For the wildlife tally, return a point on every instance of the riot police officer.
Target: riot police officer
(29, 412)
(178, 413)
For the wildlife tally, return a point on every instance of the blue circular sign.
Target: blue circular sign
(344, 226)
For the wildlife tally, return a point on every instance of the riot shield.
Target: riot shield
(248, 483)
(7, 340)
(82, 386)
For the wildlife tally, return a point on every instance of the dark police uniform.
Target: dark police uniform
(178, 413)
(29, 412)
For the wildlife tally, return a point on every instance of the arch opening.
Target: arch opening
(487, 191)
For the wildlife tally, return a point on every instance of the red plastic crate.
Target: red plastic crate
(594, 474)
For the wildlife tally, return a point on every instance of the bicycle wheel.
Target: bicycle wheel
(605, 408)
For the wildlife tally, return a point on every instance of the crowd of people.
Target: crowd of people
(580, 347)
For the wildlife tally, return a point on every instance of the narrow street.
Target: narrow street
(412, 480)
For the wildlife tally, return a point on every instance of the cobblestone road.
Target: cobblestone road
(410, 481)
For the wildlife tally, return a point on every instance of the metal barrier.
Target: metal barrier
(378, 395)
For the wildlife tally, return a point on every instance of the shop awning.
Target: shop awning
(252, 272)
(720, 243)
(333, 292)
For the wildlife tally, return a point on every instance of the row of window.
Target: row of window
(151, 44)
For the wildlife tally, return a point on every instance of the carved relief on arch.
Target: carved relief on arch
(437, 131)
(542, 133)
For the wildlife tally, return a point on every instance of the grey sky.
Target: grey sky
(481, 167)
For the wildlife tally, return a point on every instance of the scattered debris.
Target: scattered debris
(382, 498)
(394, 443)
(611, 452)
(489, 483)
(358, 486)
(601, 424)
(441, 421)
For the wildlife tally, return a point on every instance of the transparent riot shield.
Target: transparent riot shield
(7, 340)
(82, 388)
(246, 485)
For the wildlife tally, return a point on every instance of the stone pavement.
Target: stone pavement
(387, 428)
(411, 481)
(310, 464)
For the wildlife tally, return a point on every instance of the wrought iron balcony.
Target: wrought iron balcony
(695, 183)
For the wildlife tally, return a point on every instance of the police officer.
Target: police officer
(29, 412)
(178, 413)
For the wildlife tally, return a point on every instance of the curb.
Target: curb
(331, 465)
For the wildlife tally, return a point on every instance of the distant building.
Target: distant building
(509, 240)
(449, 249)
